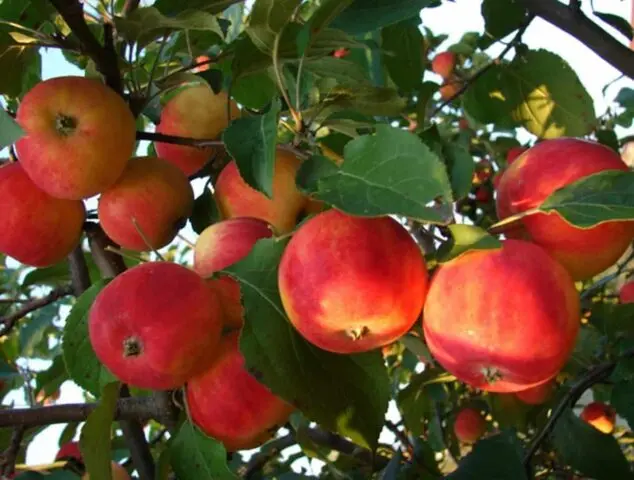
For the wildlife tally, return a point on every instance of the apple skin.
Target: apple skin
(229, 404)
(196, 112)
(449, 90)
(538, 172)
(118, 473)
(153, 192)
(443, 64)
(69, 450)
(81, 160)
(513, 154)
(537, 395)
(510, 333)
(600, 416)
(36, 229)
(154, 325)
(221, 245)
(352, 284)
(469, 425)
(497, 178)
(626, 293)
(235, 198)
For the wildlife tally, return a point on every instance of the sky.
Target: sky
(452, 18)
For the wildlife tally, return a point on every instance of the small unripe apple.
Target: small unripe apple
(351, 284)
(513, 153)
(626, 293)
(196, 112)
(443, 64)
(469, 425)
(220, 246)
(229, 404)
(155, 325)
(36, 229)
(235, 198)
(538, 394)
(152, 199)
(79, 136)
(600, 416)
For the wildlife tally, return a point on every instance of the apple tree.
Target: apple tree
(295, 239)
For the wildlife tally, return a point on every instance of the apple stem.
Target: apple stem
(491, 374)
(65, 124)
(132, 347)
(358, 333)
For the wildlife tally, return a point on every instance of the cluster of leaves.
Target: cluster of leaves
(407, 153)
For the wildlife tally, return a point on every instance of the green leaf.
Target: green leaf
(268, 18)
(254, 91)
(465, 238)
(364, 16)
(58, 474)
(205, 211)
(598, 198)
(21, 67)
(613, 319)
(390, 172)
(502, 17)
(365, 99)
(80, 358)
(172, 7)
(58, 273)
(94, 440)
(625, 97)
(194, 456)
(403, 58)
(622, 399)
(51, 379)
(251, 142)
(328, 10)
(619, 23)
(345, 72)
(587, 450)
(497, 457)
(298, 371)
(10, 131)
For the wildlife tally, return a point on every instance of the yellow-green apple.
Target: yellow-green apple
(626, 293)
(443, 64)
(469, 425)
(235, 198)
(195, 112)
(513, 331)
(36, 229)
(221, 245)
(351, 284)
(538, 394)
(538, 172)
(152, 199)
(600, 416)
(513, 154)
(229, 404)
(79, 136)
(155, 325)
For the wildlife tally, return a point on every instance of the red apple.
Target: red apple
(152, 199)
(538, 394)
(229, 404)
(235, 198)
(155, 325)
(443, 64)
(546, 167)
(626, 293)
(36, 229)
(449, 90)
(509, 333)
(352, 284)
(600, 416)
(482, 195)
(341, 52)
(220, 246)
(513, 153)
(79, 136)
(469, 425)
(196, 112)
(69, 450)
(201, 59)
(497, 178)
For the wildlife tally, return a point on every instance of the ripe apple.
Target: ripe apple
(538, 394)
(509, 333)
(229, 404)
(482, 195)
(600, 416)
(341, 52)
(449, 90)
(626, 293)
(220, 246)
(497, 178)
(196, 112)
(235, 198)
(443, 64)
(154, 325)
(546, 167)
(79, 136)
(352, 284)
(36, 229)
(69, 450)
(153, 198)
(513, 153)
(202, 68)
(118, 473)
(469, 425)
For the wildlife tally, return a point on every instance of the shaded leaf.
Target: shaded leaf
(10, 131)
(613, 319)
(255, 90)
(172, 7)
(20, 66)
(502, 17)
(268, 18)
(364, 16)
(619, 23)
(466, 238)
(622, 399)
(205, 211)
(401, 44)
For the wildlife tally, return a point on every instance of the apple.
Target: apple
(118, 473)
(195, 112)
(513, 153)
(36, 229)
(154, 325)
(202, 68)
(351, 284)
(513, 331)
(449, 90)
(538, 172)
(626, 293)
(600, 416)
(469, 425)
(341, 52)
(229, 404)
(235, 198)
(79, 136)
(482, 194)
(497, 178)
(221, 245)
(69, 450)
(538, 394)
(152, 199)
(443, 64)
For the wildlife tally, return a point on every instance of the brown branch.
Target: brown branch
(7, 462)
(105, 58)
(79, 275)
(130, 6)
(110, 264)
(137, 444)
(176, 140)
(9, 321)
(572, 21)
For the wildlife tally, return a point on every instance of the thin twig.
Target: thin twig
(9, 456)
(135, 439)
(176, 140)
